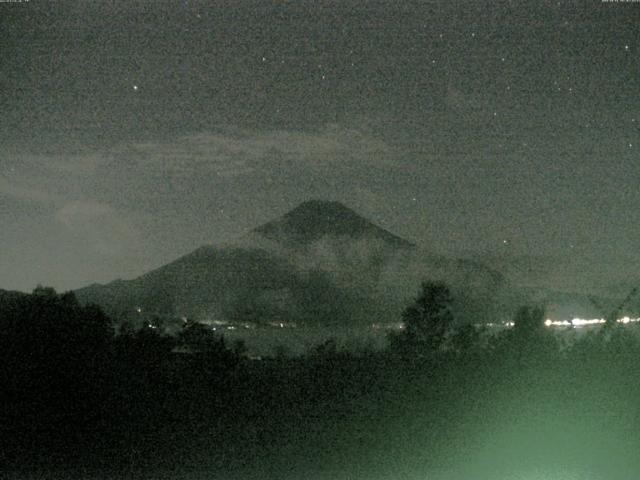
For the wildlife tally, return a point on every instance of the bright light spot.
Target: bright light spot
(135, 87)
(581, 322)
(138, 309)
(557, 323)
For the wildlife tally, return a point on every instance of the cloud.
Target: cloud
(47, 179)
(179, 165)
(95, 224)
(107, 231)
(237, 152)
(170, 183)
(75, 213)
(77, 164)
(20, 191)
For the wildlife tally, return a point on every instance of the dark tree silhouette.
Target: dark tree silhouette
(528, 342)
(467, 339)
(210, 356)
(427, 320)
(55, 357)
(240, 348)
(528, 321)
(199, 338)
(327, 349)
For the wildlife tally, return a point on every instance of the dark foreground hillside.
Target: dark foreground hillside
(82, 403)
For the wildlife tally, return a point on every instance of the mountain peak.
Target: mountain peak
(314, 219)
(317, 209)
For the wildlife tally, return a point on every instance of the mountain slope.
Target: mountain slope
(320, 263)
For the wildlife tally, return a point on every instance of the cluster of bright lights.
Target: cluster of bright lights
(583, 322)
(626, 320)
(557, 323)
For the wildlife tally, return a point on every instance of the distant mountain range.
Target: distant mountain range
(323, 264)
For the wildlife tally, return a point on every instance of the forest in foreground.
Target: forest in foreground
(441, 402)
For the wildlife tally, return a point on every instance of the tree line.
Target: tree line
(74, 389)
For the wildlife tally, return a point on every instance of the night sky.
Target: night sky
(133, 132)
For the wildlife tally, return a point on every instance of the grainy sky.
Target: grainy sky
(133, 132)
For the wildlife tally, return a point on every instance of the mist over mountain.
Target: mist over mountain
(569, 285)
(319, 264)
(573, 271)
(322, 264)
